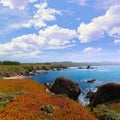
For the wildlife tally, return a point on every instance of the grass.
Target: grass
(33, 103)
(3, 104)
(13, 70)
(107, 112)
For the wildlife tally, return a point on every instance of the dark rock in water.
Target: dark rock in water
(88, 67)
(106, 93)
(90, 95)
(91, 81)
(80, 67)
(54, 69)
(58, 69)
(66, 86)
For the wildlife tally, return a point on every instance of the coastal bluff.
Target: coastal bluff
(32, 102)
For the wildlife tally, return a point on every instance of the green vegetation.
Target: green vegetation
(48, 109)
(3, 104)
(9, 63)
(104, 112)
(107, 114)
(27, 69)
(5, 99)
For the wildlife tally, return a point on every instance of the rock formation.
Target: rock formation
(67, 87)
(91, 81)
(106, 93)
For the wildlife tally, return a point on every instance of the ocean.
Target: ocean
(102, 74)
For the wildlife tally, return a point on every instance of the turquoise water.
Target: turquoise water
(102, 74)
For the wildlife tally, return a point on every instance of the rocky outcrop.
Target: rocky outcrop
(67, 87)
(106, 93)
(28, 70)
(88, 67)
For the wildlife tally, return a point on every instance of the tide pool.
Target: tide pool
(102, 74)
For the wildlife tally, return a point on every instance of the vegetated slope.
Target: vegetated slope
(27, 100)
(27, 69)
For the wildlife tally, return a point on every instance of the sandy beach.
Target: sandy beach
(16, 77)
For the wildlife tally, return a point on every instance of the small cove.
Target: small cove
(102, 74)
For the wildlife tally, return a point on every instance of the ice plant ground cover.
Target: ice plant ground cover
(25, 98)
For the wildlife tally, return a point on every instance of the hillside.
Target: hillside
(28, 100)
(27, 69)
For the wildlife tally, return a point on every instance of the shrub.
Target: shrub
(107, 114)
(48, 109)
(10, 63)
(3, 103)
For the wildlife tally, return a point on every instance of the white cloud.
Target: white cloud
(20, 19)
(89, 32)
(79, 2)
(78, 18)
(27, 55)
(42, 15)
(92, 57)
(56, 36)
(105, 4)
(22, 44)
(115, 32)
(108, 23)
(11, 20)
(53, 37)
(117, 42)
(91, 50)
(16, 4)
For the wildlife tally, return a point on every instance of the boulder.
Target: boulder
(67, 87)
(106, 93)
(5, 74)
(89, 67)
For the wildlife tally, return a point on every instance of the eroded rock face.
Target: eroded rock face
(106, 93)
(66, 86)
(90, 95)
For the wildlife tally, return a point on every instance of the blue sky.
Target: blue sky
(60, 30)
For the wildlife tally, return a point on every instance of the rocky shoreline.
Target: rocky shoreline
(21, 72)
(100, 101)
(107, 95)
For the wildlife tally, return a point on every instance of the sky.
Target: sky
(60, 30)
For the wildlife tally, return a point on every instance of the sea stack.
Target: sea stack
(67, 87)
